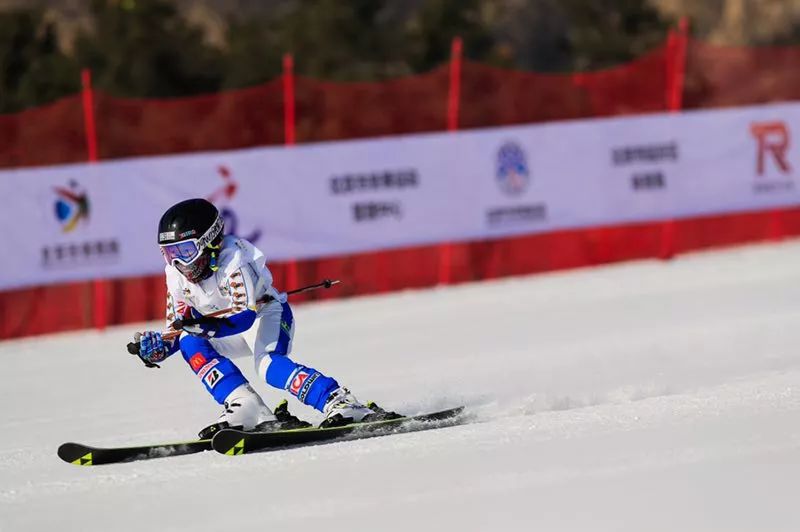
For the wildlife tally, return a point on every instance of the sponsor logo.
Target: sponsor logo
(71, 210)
(648, 180)
(71, 206)
(513, 178)
(522, 214)
(512, 169)
(647, 154)
(80, 253)
(374, 181)
(297, 382)
(167, 235)
(376, 210)
(772, 139)
(205, 369)
(307, 386)
(197, 361)
(188, 233)
(773, 169)
(286, 327)
(224, 194)
(212, 378)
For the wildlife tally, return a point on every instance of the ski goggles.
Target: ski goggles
(185, 252)
(188, 251)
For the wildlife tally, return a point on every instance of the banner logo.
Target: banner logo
(225, 193)
(773, 140)
(648, 162)
(71, 206)
(773, 170)
(71, 209)
(513, 178)
(512, 169)
(383, 182)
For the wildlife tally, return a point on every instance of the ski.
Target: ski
(85, 455)
(233, 442)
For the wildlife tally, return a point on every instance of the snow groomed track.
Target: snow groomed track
(648, 396)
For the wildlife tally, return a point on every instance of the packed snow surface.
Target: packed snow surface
(652, 396)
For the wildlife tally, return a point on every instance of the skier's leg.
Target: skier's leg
(273, 365)
(219, 375)
(225, 382)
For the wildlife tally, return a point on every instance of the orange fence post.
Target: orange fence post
(99, 286)
(289, 139)
(288, 100)
(677, 44)
(454, 93)
(676, 70)
(453, 103)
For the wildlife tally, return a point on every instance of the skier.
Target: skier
(207, 272)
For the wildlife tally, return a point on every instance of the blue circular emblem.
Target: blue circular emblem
(512, 169)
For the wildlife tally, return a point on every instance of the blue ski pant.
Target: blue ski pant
(273, 344)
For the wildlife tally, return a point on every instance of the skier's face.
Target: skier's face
(196, 271)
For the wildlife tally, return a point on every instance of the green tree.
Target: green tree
(144, 48)
(353, 40)
(603, 33)
(435, 23)
(253, 55)
(32, 69)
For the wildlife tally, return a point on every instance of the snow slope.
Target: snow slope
(642, 397)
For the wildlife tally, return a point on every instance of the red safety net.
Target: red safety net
(715, 76)
(51, 134)
(493, 97)
(224, 121)
(335, 111)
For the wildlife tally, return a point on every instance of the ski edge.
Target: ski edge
(433, 420)
(86, 455)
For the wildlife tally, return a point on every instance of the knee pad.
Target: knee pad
(218, 374)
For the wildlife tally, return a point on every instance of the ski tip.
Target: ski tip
(76, 454)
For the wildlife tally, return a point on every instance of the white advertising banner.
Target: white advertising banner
(86, 221)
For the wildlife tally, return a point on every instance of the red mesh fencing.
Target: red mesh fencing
(494, 97)
(715, 76)
(334, 111)
(51, 134)
(224, 121)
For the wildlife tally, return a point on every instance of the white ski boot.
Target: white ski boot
(342, 408)
(243, 409)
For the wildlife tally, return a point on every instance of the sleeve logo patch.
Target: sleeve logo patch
(212, 378)
(307, 386)
(297, 383)
(197, 361)
(205, 369)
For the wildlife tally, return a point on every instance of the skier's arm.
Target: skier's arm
(242, 287)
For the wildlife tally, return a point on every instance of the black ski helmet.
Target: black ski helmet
(193, 224)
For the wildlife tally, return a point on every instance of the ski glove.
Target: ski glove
(151, 346)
